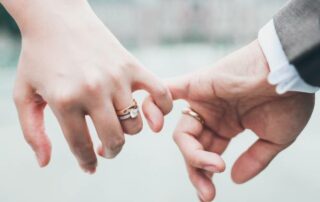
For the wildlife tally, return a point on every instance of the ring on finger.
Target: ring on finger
(190, 112)
(130, 112)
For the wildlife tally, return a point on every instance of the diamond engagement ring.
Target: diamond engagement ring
(130, 112)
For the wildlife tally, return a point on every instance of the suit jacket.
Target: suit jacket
(298, 28)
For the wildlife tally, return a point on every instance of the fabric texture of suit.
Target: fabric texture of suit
(298, 28)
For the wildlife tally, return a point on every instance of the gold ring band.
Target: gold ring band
(126, 110)
(130, 112)
(193, 114)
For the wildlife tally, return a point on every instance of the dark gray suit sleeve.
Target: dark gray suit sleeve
(298, 28)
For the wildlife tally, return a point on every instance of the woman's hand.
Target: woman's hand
(71, 62)
(232, 96)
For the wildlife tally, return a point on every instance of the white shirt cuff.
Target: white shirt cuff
(282, 74)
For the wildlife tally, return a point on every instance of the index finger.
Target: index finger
(185, 136)
(199, 162)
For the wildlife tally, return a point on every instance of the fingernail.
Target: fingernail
(85, 170)
(213, 169)
(108, 153)
(39, 158)
(91, 172)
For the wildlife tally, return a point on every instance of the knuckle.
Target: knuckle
(112, 149)
(30, 140)
(64, 101)
(115, 80)
(119, 143)
(194, 161)
(256, 158)
(116, 145)
(129, 64)
(89, 161)
(83, 150)
(192, 176)
(17, 93)
(93, 86)
(162, 91)
(194, 158)
(16, 96)
(20, 97)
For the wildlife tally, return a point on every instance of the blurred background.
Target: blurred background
(171, 37)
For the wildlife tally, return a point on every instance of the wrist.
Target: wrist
(259, 59)
(35, 16)
(260, 67)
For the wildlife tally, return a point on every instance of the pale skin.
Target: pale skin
(72, 63)
(232, 96)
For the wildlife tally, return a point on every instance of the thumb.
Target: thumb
(30, 109)
(255, 160)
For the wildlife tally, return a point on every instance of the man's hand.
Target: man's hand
(71, 62)
(233, 96)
